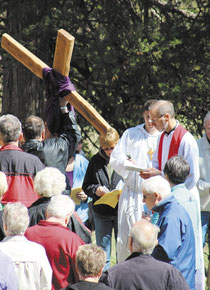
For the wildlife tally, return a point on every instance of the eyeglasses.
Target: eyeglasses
(108, 149)
(155, 120)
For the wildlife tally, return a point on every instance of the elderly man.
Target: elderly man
(137, 144)
(19, 167)
(176, 240)
(175, 140)
(31, 264)
(176, 171)
(140, 270)
(60, 243)
(90, 261)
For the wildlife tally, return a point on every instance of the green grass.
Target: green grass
(113, 252)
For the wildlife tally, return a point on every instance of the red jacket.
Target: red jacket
(20, 169)
(61, 245)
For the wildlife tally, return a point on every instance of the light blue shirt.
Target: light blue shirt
(80, 167)
(190, 204)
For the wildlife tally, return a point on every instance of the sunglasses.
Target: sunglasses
(108, 149)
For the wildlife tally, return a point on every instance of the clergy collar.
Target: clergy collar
(168, 133)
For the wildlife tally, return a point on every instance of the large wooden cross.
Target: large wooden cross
(61, 63)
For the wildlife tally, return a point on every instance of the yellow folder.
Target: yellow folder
(73, 196)
(110, 198)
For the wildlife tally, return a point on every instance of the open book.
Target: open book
(73, 196)
(128, 165)
(110, 198)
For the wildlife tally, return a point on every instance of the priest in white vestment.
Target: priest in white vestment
(176, 140)
(138, 145)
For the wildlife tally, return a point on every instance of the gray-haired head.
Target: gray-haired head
(156, 184)
(148, 103)
(60, 206)
(177, 169)
(206, 118)
(144, 236)
(10, 128)
(49, 181)
(15, 219)
(162, 107)
(3, 183)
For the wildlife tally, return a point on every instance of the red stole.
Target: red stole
(175, 142)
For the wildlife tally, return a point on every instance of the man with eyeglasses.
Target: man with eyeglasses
(176, 240)
(137, 144)
(175, 140)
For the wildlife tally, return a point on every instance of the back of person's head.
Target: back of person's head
(206, 118)
(33, 127)
(90, 260)
(60, 206)
(110, 138)
(3, 183)
(10, 128)
(148, 103)
(15, 219)
(163, 107)
(177, 169)
(156, 184)
(49, 181)
(144, 237)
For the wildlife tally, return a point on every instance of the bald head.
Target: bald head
(161, 108)
(143, 237)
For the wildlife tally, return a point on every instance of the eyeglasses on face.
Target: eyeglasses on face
(108, 149)
(156, 119)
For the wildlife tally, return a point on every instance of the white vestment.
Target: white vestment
(140, 146)
(188, 149)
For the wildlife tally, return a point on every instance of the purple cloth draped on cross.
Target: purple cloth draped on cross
(57, 86)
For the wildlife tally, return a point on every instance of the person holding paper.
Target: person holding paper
(99, 179)
(75, 171)
(137, 144)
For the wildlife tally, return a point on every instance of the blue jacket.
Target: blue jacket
(80, 167)
(176, 241)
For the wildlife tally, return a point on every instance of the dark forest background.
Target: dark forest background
(125, 52)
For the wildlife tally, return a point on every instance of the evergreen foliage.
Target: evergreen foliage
(126, 52)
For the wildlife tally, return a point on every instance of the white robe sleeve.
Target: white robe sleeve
(118, 155)
(189, 150)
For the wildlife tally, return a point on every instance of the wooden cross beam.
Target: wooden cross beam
(62, 58)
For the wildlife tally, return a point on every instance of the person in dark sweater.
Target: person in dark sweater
(90, 260)
(99, 175)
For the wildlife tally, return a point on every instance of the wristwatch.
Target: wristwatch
(64, 109)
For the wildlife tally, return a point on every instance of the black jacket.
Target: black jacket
(97, 175)
(140, 271)
(37, 212)
(56, 152)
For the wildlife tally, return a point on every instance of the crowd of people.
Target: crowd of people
(160, 222)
